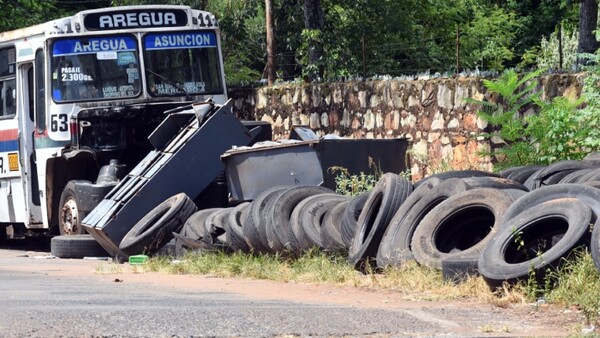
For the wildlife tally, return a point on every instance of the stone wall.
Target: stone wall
(442, 128)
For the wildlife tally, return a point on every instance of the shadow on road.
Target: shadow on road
(28, 244)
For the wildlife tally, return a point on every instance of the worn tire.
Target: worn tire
(588, 195)
(383, 202)
(251, 224)
(523, 173)
(394, 249)
(306, 220)
(458, 268)
(460, 225)
(278, 212)
(191, 234)
(576, 176)
(234, 231)
(215, 227)
(350, 217)
(157, 227)
(76, 246)
(536, 239)
(456, 174)
(551, 174)
(193, 228)
(331, 228)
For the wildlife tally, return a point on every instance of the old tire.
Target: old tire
(460, 225)
(553, 173)
(70, 212)
(156, 228)
(588, 195)
(394, 249)
(234, 231)
(383, 202)
(306, 220)
(253, 225)
(215, 228)
(350, 217)
(446, 175)
(534, 241)
(76, 246)
(278, 212)
(331, 228)
(458, 268)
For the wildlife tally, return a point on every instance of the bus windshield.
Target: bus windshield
(182, 63)
(95, 68)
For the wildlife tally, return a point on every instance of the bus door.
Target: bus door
(25, 116)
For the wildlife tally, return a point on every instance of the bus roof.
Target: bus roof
(113, 18)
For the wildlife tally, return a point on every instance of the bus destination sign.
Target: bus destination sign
(135, 19)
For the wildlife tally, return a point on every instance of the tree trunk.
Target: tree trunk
(313, 20)
(270, 42)
(588, 18)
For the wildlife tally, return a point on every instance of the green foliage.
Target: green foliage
(560, 130)
(23, 13)
(548, 56)
(490, 36)
(352, 185)
(504, 116)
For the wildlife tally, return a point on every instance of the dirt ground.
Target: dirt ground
(457, 318)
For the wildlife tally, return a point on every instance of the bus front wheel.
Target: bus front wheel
(70, 211)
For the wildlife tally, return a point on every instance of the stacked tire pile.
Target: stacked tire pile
(503, 226)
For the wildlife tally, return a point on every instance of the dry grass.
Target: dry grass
(412, 281)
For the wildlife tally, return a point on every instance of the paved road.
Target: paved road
(54, 297)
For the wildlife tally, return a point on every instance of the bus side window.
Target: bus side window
(40, 99)
(7, 82)
(7, 99)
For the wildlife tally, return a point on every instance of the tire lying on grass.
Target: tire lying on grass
(254, 222)
(536, 239)
(395, 248)
(307, 221)
(76, 246)
(458, 268)
(192, 232)
(350, 217)
(383, 202)
(331, 228)
(278, 212)
(157, 227)
(460, 225)
(234, 231)
(215, 228)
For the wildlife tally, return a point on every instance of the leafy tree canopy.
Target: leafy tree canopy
(359, 37)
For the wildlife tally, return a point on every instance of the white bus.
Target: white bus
(78, 98)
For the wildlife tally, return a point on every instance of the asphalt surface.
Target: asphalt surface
(42, 297)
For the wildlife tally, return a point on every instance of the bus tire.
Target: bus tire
(156, 228)
(70, 213)
(76, 246)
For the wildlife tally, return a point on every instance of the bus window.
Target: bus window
(7, 98)
(85, 69)
(7, 82)
(40, 97)
(182, 63)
